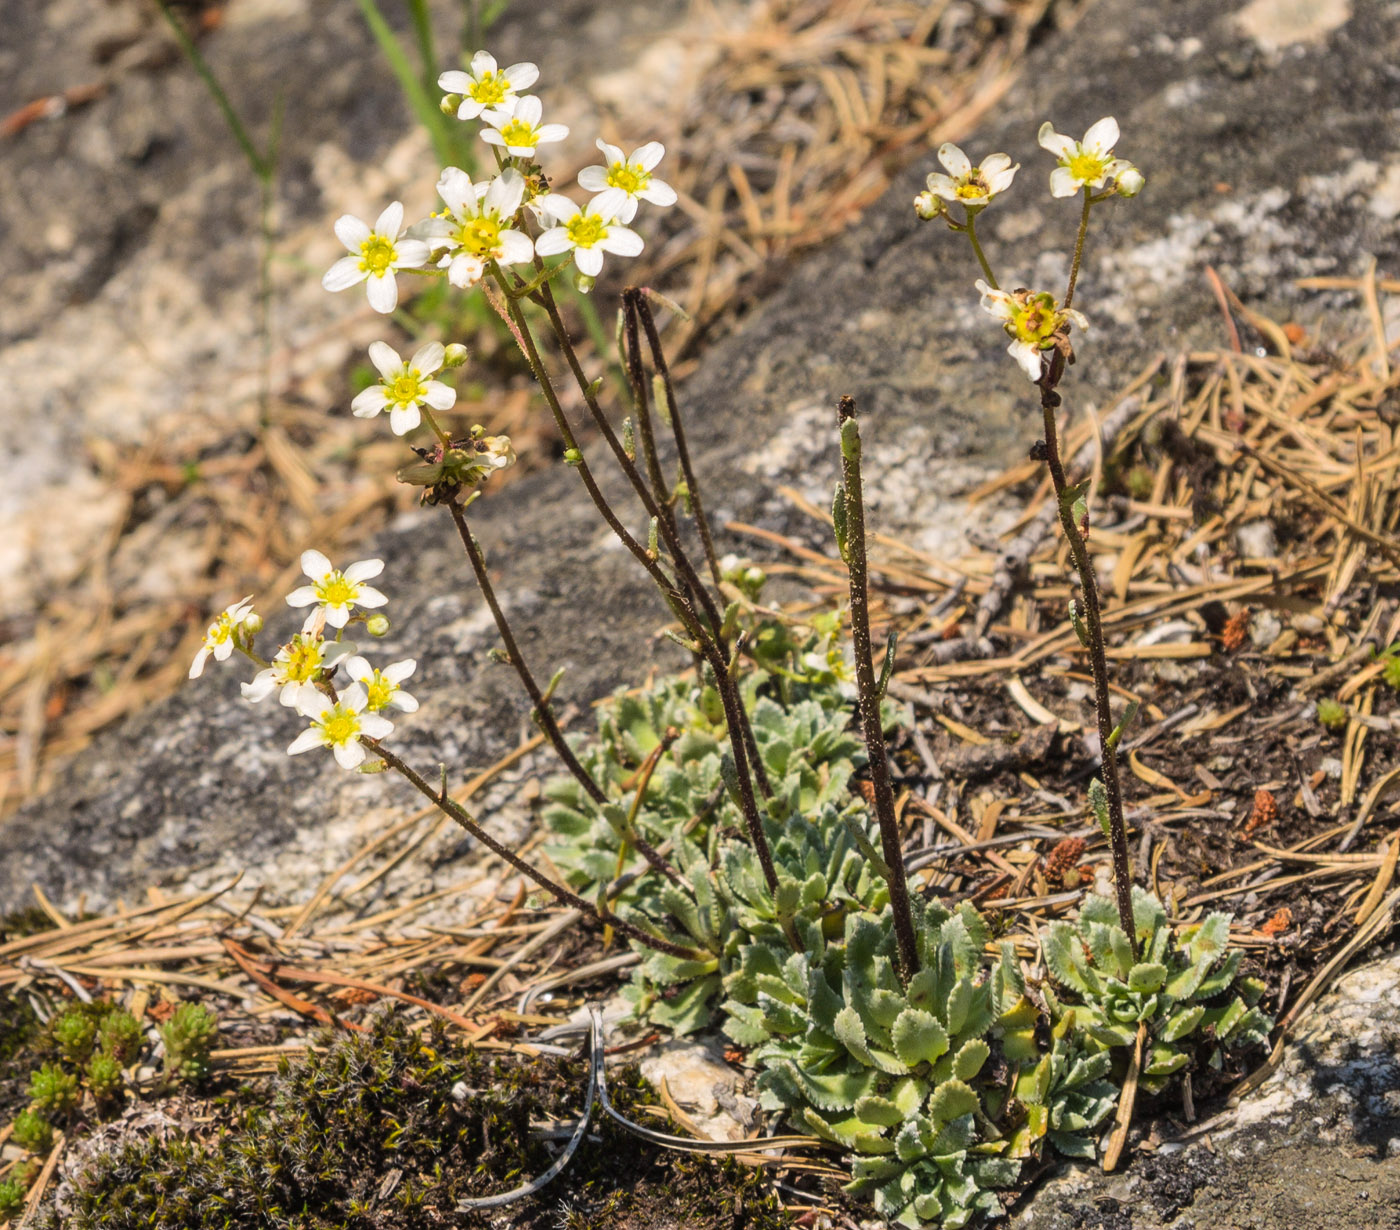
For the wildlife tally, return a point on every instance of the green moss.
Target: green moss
(54, 1090)
(33, 1132)
(1332, 714)
(369, 1134)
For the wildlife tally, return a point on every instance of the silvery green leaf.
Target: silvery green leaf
(834, 1091)
(1147, 978)
(1065, 956)
(951, 1100)
(970, 1058)
(919, 1037)
(1181, 1023)
(879, 1111)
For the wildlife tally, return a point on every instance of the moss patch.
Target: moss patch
(369, 1135)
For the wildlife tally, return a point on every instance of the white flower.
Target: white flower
(219, 639)
(1083, 164)
(484, 85)
(404, 387)
(624, 181)
(382, 687)
(1034, 322)
(588, 233)
(335, 591)
(1128, 180)
(295, 670)
(519, 129)
(375, 255)
(476, 229)
(971, 186)
(339, 725)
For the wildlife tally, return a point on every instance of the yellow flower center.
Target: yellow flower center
(381, 691)
(490, 89)
(303, 660)
(586, 230)
(518, 133)
(341, 725)
(630, 178)
(220, 632)
(376, 254)
(406, 388)
(972, 188)
(335, 590)
(480, 236)
(1086, 167)
(1035, 321)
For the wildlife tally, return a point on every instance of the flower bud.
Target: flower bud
(450, 103)
(377, 625)
(929, 207)
(583, 283)
(454, 356)
(1129, 181)
(252, 624)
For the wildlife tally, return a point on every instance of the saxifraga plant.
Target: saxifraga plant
(711, 822)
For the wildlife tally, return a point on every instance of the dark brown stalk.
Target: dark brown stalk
(752, 762)
(641, 401)
(1093, 622)
(658, 360)
(543, 711)
(735, 717)
(450, 807)
(871, 727)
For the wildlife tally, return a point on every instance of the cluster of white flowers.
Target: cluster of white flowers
(487, 225)
(1035, 322)
(302, 672)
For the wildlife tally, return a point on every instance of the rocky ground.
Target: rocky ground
(1268, 135)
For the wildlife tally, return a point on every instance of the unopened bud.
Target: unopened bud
(572, 457)
(583, 283)
(450, 103)
(454, 356)
(377, 625)
(929, 207)
(1129, 181)
(252, 624)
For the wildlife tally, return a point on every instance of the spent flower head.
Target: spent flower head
(336, 592)
(340, 724)
(299, 665)
(1088, 163)
(382, 687)
(973, 187)
(1034, 322)
(623, 181)
(587, 233)
(484, 85)
(404, 387)
(223, 634)
(376, 254)
(475, 229)
(519, 130)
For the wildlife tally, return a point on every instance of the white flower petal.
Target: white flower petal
(553, 241)
(376, 727)
(304, 742)
(516, 248)
(351, 231)
(648, 155)
(942, 186)
(454, 81)
(464, 271)
(1028, 356)
(439, 396)
(344, 274)
(483, 62)
(305, 595)
(455, 188)
(355, 697)
(528, 109)
(1057, 143)
(1062, 182)
(315, 565)
(390, 222)
(403, 701)
(522, 76)
(357, 668)
(611, 153)
(397, 672)
(403, 419)
(608, 203)
(954, 161)
(621, 242)
(428, 358)
(658, 192)
(505, 193)
(1102, 136)
(369, 402)
(200, 658)
(349, 755)
(548, 133)
(383, 292)
(385, 359)
(589, 261)
(411, 254)
(370, 598)
(593, 179)
(260, 688)
(364, 569)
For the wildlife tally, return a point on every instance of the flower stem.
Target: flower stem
(663, 369)
(544, 713)
(1078, 251)
(891, 845)
(971, 229)
(450, 807)
(1093, 621)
